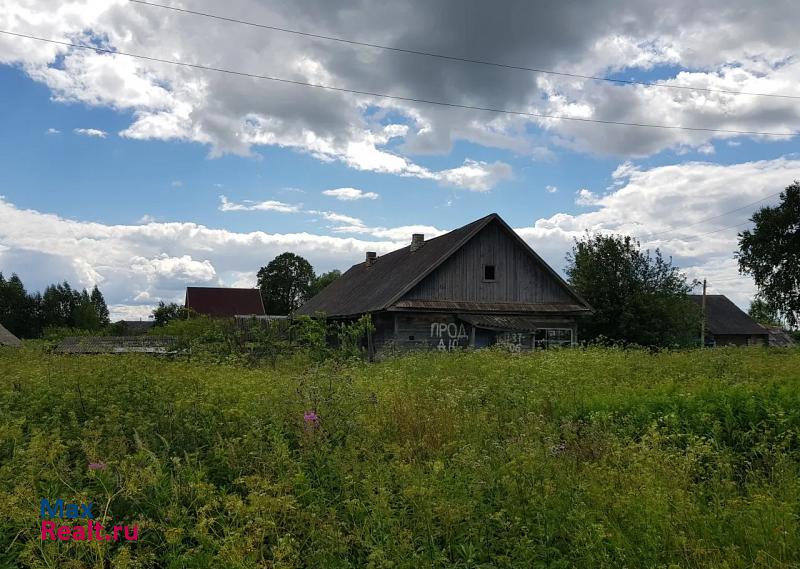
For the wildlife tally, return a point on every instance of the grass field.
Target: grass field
(576, 458)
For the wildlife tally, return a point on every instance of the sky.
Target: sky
(145, 177)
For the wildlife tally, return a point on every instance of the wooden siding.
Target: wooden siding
(518, 277)
(428, 331)
(447, 332)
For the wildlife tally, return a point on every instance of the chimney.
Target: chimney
(372, 256)
(417, 241)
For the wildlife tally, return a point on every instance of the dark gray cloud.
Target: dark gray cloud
(733, 45)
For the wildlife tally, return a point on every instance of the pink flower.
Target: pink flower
(97, 466)
(310, 418)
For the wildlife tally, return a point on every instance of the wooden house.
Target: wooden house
(476, 286)
(729, 325)
(224, 302)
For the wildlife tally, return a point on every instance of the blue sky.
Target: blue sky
(117, 180)
(112, 170)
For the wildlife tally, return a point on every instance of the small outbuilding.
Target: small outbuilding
(779, 337)
(478, 285)
(8, 339)
(224, 302)
(729, 325)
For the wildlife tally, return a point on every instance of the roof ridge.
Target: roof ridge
(478, 225)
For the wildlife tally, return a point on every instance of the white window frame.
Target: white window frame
(571, 341)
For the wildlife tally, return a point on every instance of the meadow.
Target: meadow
(564, 458)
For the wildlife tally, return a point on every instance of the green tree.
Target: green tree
(637, 297)
(770, 253)
(322, 281)
(58, 305)
(100, 306)
(285, 283)
(18, 310)
(763, 313)
(165, 313)
(26, 315)
(84, 314)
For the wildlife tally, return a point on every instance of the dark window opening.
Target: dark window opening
(549, 337)
(411, 337)
(488, 272)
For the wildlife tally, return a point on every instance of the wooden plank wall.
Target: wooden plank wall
(446, 332)
(430, 331)
(518, 277)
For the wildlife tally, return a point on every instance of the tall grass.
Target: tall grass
(574, 458)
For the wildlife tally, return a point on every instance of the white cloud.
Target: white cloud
(338, 217)
(92, 132)
(586, 197)
(727, 44)
(551, 189)
(52, 131)
(400, 235)
(137, 265)
(183, 269)
(476, 176)
(177, 183)
(146, 218)
(249, 205)
(130, 312)
(662, 207)
(350, 194)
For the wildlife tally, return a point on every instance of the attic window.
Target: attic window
(488, 272)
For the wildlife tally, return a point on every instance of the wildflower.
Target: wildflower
(311, 418)
(97, 466)
(558, 449)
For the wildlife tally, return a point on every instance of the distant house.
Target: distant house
(224, 302)
(8, 339)
(729, 325)
(476, 286)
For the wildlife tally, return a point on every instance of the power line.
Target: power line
(722, 229)
(695, 237)
(716, 216)
(460, 59)
(397, 97)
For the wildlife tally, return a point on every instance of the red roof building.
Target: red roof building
(224, 302)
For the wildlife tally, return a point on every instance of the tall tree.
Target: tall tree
(323, 280)
(637, 297)
(58, 305)
(18, 310)
(285, 283)
(770, 253)
(84, 315)
(100, 306)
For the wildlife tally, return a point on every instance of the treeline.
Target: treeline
(30, 315)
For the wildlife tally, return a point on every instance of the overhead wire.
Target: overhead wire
(716, 216)
(394, 97)
(458, 58)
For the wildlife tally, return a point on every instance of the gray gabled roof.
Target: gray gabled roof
(364, 288)
(8, 339)
(724, 317)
